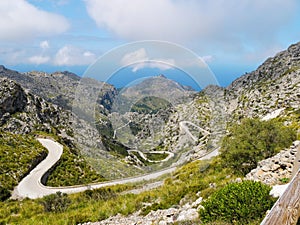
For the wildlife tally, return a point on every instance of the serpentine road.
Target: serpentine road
(183, 126)
(32, 187)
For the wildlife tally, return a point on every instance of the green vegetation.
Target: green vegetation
(150, 105)
(156, 156)
(135, 127)
(110, 169)
(95, 205)
(284, 180)
(181, 187)
(58, 202)
(252, 141)
(103, 194)
(114, 147)
(72, 169)
(291, 70)
(18, 155)
(145, 162)
(104, 125)
(4, 193)
(238, 203)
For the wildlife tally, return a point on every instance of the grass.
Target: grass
(113, 168)
(186, 182)
(145, 162)
(72, 170)
(156, 156)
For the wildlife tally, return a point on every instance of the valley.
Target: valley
(103, 143)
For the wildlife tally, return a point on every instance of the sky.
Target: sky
(232, 36)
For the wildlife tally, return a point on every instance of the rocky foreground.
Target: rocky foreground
(277, 169)
(184, 212)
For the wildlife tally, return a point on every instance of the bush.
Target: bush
(100, 194)
(252, 141)
(4, 193)
(238, 203)
(58, 202)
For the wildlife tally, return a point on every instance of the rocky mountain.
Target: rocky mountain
(274, 85)
(146, 133)
(159, 86)
(22, 112)
(58, 88)
(153, 115)
(271, 91)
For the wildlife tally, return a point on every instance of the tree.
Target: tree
(252, 141)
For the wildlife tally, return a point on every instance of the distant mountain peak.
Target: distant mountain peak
(162, 76)
(2, 68)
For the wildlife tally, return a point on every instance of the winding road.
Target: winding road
(170, 155)
(32, 187)
(183, 126)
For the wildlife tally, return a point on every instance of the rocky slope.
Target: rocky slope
(271, 91)
(277, 169)
(58, 88)
(22, 112)
(274, 85)
(37, 102)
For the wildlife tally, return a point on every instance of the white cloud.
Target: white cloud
(44, 45)
(71, 56)
(20, 20)
(139, 59)
(65, 56)
(38, 59)
(133, 57)
(228, 24)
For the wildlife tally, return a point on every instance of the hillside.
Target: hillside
(270, 92)
(133, 130)
(23, 113)
(58, 88)
(274, 85)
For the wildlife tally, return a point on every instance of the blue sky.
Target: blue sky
(231, 36)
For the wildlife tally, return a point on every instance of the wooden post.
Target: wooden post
(286, 210)
(296, 165)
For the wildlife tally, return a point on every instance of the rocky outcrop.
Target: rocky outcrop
(59, 87)
(22, 113)
(185, 213)
(277, 169)
(13, 98)
(274, 85)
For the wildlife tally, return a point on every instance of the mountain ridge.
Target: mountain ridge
(269, 93)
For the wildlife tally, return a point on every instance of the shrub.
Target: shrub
(252, 141)
(4, 193)
(58, 202)
(100, 194)
(238, 203)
